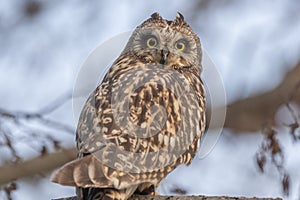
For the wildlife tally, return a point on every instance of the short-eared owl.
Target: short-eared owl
(145, 118)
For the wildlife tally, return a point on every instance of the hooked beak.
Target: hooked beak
(164, 56)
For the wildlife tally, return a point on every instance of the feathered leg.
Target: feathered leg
(145, 189)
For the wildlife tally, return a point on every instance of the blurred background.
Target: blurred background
(255, 46)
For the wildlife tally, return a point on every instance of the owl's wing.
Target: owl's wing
(89, 137)
(95, 121)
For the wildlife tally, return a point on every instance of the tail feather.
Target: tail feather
(83, 172)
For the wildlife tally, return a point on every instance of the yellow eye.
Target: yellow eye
(179, 46)
(151, 42)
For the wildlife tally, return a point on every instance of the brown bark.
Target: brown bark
(137, 197)
(251, 114)
(37, 165)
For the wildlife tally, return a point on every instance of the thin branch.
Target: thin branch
(49, 108)
(8, 143)
(54, 105)
(57, 125)
(16, 116)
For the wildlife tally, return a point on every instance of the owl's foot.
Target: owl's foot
(146, 189)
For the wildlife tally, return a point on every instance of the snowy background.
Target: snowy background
(253, 44)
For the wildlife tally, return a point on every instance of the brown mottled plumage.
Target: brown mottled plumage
(144, 119)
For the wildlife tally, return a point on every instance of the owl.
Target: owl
(146, 117)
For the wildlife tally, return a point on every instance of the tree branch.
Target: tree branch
(140, 197)
(251, 114)
(37, 165)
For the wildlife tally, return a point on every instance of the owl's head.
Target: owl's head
(170, 43)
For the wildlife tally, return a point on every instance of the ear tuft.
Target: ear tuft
(156, 16)
(179, 17)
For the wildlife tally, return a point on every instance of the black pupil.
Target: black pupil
(151, 42)
(179, 45)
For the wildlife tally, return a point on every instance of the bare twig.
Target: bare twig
(8, 143)
(294, 126)
(271, 152)
(8, 189)
(16, 116)
(54, 105)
